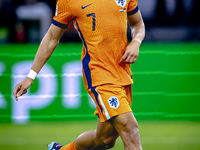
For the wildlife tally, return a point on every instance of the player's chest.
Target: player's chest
(101, 8)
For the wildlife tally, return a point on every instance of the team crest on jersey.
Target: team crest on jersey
(113, 102)
(121, 3)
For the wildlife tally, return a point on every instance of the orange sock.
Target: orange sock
(70, 146)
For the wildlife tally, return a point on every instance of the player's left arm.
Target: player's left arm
(138, 33)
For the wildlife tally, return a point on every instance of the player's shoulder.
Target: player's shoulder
(63, 2)
(133, 1)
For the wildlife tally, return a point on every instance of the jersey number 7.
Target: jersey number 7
(93, 20)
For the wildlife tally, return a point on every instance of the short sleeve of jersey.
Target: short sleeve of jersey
(132, 7)
(63, 14)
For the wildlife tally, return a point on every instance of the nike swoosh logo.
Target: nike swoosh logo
(83, 7)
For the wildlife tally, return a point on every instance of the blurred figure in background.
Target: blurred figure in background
(8, 20)
(19, 20)
(171, 20)
(33, 13)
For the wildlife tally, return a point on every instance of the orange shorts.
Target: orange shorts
(111, 100)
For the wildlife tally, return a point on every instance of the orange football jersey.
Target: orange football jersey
(102, 26)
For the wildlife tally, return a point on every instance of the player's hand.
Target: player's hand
(131, 53)
(22, 87)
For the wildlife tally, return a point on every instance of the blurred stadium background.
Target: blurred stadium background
(166, 90)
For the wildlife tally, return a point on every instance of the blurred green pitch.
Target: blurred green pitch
(155, 135)
(173, 100)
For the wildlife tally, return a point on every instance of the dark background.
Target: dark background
(165, 20)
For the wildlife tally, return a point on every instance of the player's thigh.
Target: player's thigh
(106, 134)
(111, 100)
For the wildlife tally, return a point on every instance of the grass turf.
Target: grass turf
(155, 135)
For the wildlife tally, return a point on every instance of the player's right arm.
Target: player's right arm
(46, 48)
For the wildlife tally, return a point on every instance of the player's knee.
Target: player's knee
(133, 135)
(106, 143)
(130, 129)
(133, 130)
(109, 144)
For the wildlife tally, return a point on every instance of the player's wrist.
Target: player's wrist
(32, 74)
(138, 40)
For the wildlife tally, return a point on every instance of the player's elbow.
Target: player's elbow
(142, 29)
(53, 43)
